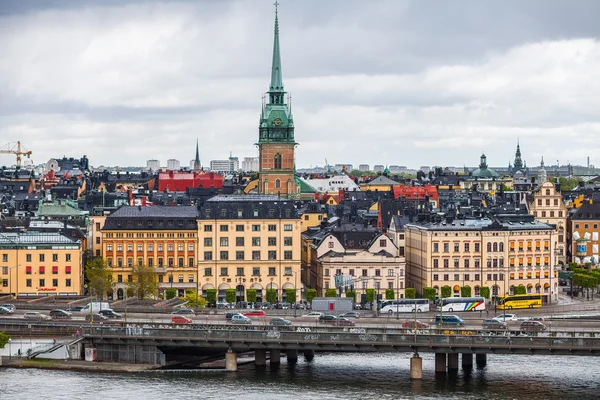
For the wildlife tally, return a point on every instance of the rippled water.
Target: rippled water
(328, 376)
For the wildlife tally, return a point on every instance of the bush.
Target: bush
(330, 293)
(211, 295)
(4, 337)
(272, 295)
(520, 289)
(311, 294)
(484, 292)
(389, 294)
(251, 295)
(465, 291)
(446, 291)
(410, 293)
(371, 295)
(290, 295)
(171, 293)
(351, 294)
(230, 296)
(429, 293)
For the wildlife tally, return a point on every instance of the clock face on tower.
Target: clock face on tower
(277, 121)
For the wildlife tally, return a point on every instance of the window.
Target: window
(446, 277)
(466, 262)
(224, 271)
(224, 228)
(223, 255)
(364, 272)
(139, 247)
(377, 272)
(54, 282)
(41, 257)
(255, 271)
(466, 246)
(277, 161)
(207, 271)
(456, 263)
(351, 273)
(180, 262)
(239, 241)
(68, 282)
(272, 255)
(256, 254)
(42, 270)
(255, 228)
(477, 247)
(287, 241)
(239, 228)
(28, 282)
(4, 270)
(129, 247)
(255, 241)
(160, 247)
(27, 257)
(287, 227)
(119, 262)
(180, 247)
(287, 255)
(207, 255)
(54, 257)
(207, 228)
(129, 261)
(42, 282)
(224, 241)
(272, 271)
(467, 277)
(382, 243)
(446, 263)
(476, 277)
(436, 263)
(170, 247)
(436, 247)
(272, 228)
(160, 262)
(239, 255)
(55, 270)
(240, 271)
(272, 241)
(576, 226)
(456, 277)
(456, 247)
(446, 247)
(476, 263)
(330, 245)
(489, 247)
(180, 278)
(287, 271)
(436, 277)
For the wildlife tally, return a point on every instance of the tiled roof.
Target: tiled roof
(155, 212)
(30, 238)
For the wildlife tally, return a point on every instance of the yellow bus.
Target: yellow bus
(520, 301)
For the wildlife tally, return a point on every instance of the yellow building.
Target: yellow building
(313, 217)
(476, 253)
(40, 264)
(249, 242)
(95, 234)
(162, 237)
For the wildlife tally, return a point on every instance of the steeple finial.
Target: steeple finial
(197, 159)
(276, 76)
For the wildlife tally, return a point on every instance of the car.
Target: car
(240, 319)
(184, 311)
(255, 313)
(6, 311)
(75, 309)
(181, 319)
(60, 314)
(494, 324)
(314, 314)
(241, 304)
(506, 317)
(283, 305)
(230, 314)
(341, 321)
(327, 318)
(351, 314)
(36, 315)
(96, 317)
(266, 306)
(449, 320)
(532, 326)
(107, 312)
(536, 319)
(414, 325)
(279, 322)
(9, 306)
(224, 304)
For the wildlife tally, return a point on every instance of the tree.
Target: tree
(465, 291)
(251, 295)
(171, 293)
(230, 296)
(520, 289)
(484, 292)
(446, 291)
(573, 266)
(311, 294)
(99, 277)
(4, 337)
(370, 295)
(410, 293)
(290, 295)
(389, 294)
(331, 292)
(193, 300)
(429, 293)
(351, 294)
(143, 282)
(211, 295)
(272, 295)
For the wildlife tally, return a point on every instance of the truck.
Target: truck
(95, 306)
(332, 304)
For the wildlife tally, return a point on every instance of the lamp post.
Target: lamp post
(9, 349)
(295, 289)
(398, 295)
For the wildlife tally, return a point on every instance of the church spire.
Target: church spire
(276, 87)
(197, 159)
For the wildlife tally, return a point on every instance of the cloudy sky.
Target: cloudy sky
(379, 82)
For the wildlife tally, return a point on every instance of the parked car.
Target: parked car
(532, 326)
(184, 311)
(9, 306)
(110, 313)
(36, 315)
(327, 318)
(279, 322)
(75, 308)
(181, 319)
(6, 311)
(60, 314)
(314, 314)
(266, 306)
(506, 317)
(351, 314)
(241, 304)
(341, 321)
(224, 304)
(414, 325)
(494, 324)
(255, 313)
(96, 317)
(240, 319)
(536, 319)
(282, 305)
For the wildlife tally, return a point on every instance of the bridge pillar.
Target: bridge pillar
(452, 361)
(309, 355)
(440, 363)
(292, 356)
(467, 360)
(416, 367)
(481, 360)
(275, 356)
(260, 358)
(231, 361)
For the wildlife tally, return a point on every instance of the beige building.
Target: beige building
(249, 242)
(95, 234)
(585, 233)
(40, 264)
(475, 253)
(548, 206)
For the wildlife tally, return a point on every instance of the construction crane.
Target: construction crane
(15, 148)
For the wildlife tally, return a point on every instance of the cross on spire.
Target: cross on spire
(276, 4)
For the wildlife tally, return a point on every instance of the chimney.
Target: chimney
(341, 195)
(130, 194)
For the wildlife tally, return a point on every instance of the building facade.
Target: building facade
(584, 228)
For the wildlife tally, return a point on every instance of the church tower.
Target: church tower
(518, 164)
(276, 144)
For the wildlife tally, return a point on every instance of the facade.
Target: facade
(250, 164)
(378, 168)
(276, 143)
(95, 234)
(173, 181)
(332, 184)
(363, 167)
(153, 165)
(232, 164)
(584, 229)
(476, 253)
(249, 242)
(40, 264)
(162, 237)
(173, 165)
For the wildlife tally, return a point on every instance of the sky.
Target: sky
(388, 82)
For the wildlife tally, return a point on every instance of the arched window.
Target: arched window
(277, 184)
(489, 247)
(495, 246)
(277, 161)
(501, 247)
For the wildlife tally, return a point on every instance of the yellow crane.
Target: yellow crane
(15, 148)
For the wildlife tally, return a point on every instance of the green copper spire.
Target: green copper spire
(276, 87)
(197, 159)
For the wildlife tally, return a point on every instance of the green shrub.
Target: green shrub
(484, 292)
(389, 294)
(251, 295)
(171, 293)
(429, 293)
(410, 293)
(446, 291)
(351, 294)
(311, 294)
(211, 295)
(290, 295)
(371, 295)
(465, 291)
(272, 295)
(330, 292)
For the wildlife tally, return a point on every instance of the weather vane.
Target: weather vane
(276, 4)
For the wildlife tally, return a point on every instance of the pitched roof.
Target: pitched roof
(382, 180)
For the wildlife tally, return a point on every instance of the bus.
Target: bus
(462, 304)
(404, 305)
(520, 301)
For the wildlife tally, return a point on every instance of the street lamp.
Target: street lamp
(398, 295)
(295, 289)
(9, 349)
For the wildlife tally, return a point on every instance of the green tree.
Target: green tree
(465, 291)
(520, 289)
(171, 293)
(99, 277)
(371, 295)
(143, 283)
(4, 337)
(484, 292)
(230, 296)
(193, 300)
(290, 295)
(567, 184)
(272, 295)
(311, 294)
(211, 295)
(446, 291)
(429, 293)
(351, 294)
(389, 294)
(251, 295)
(331, 292)
(573, 266)
(410, 293)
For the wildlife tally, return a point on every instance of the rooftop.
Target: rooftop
(29, 238)
(155, 212)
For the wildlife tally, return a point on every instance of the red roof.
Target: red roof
(180, 181)
(415, 192)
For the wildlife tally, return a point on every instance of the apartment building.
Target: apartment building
(584, 229)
